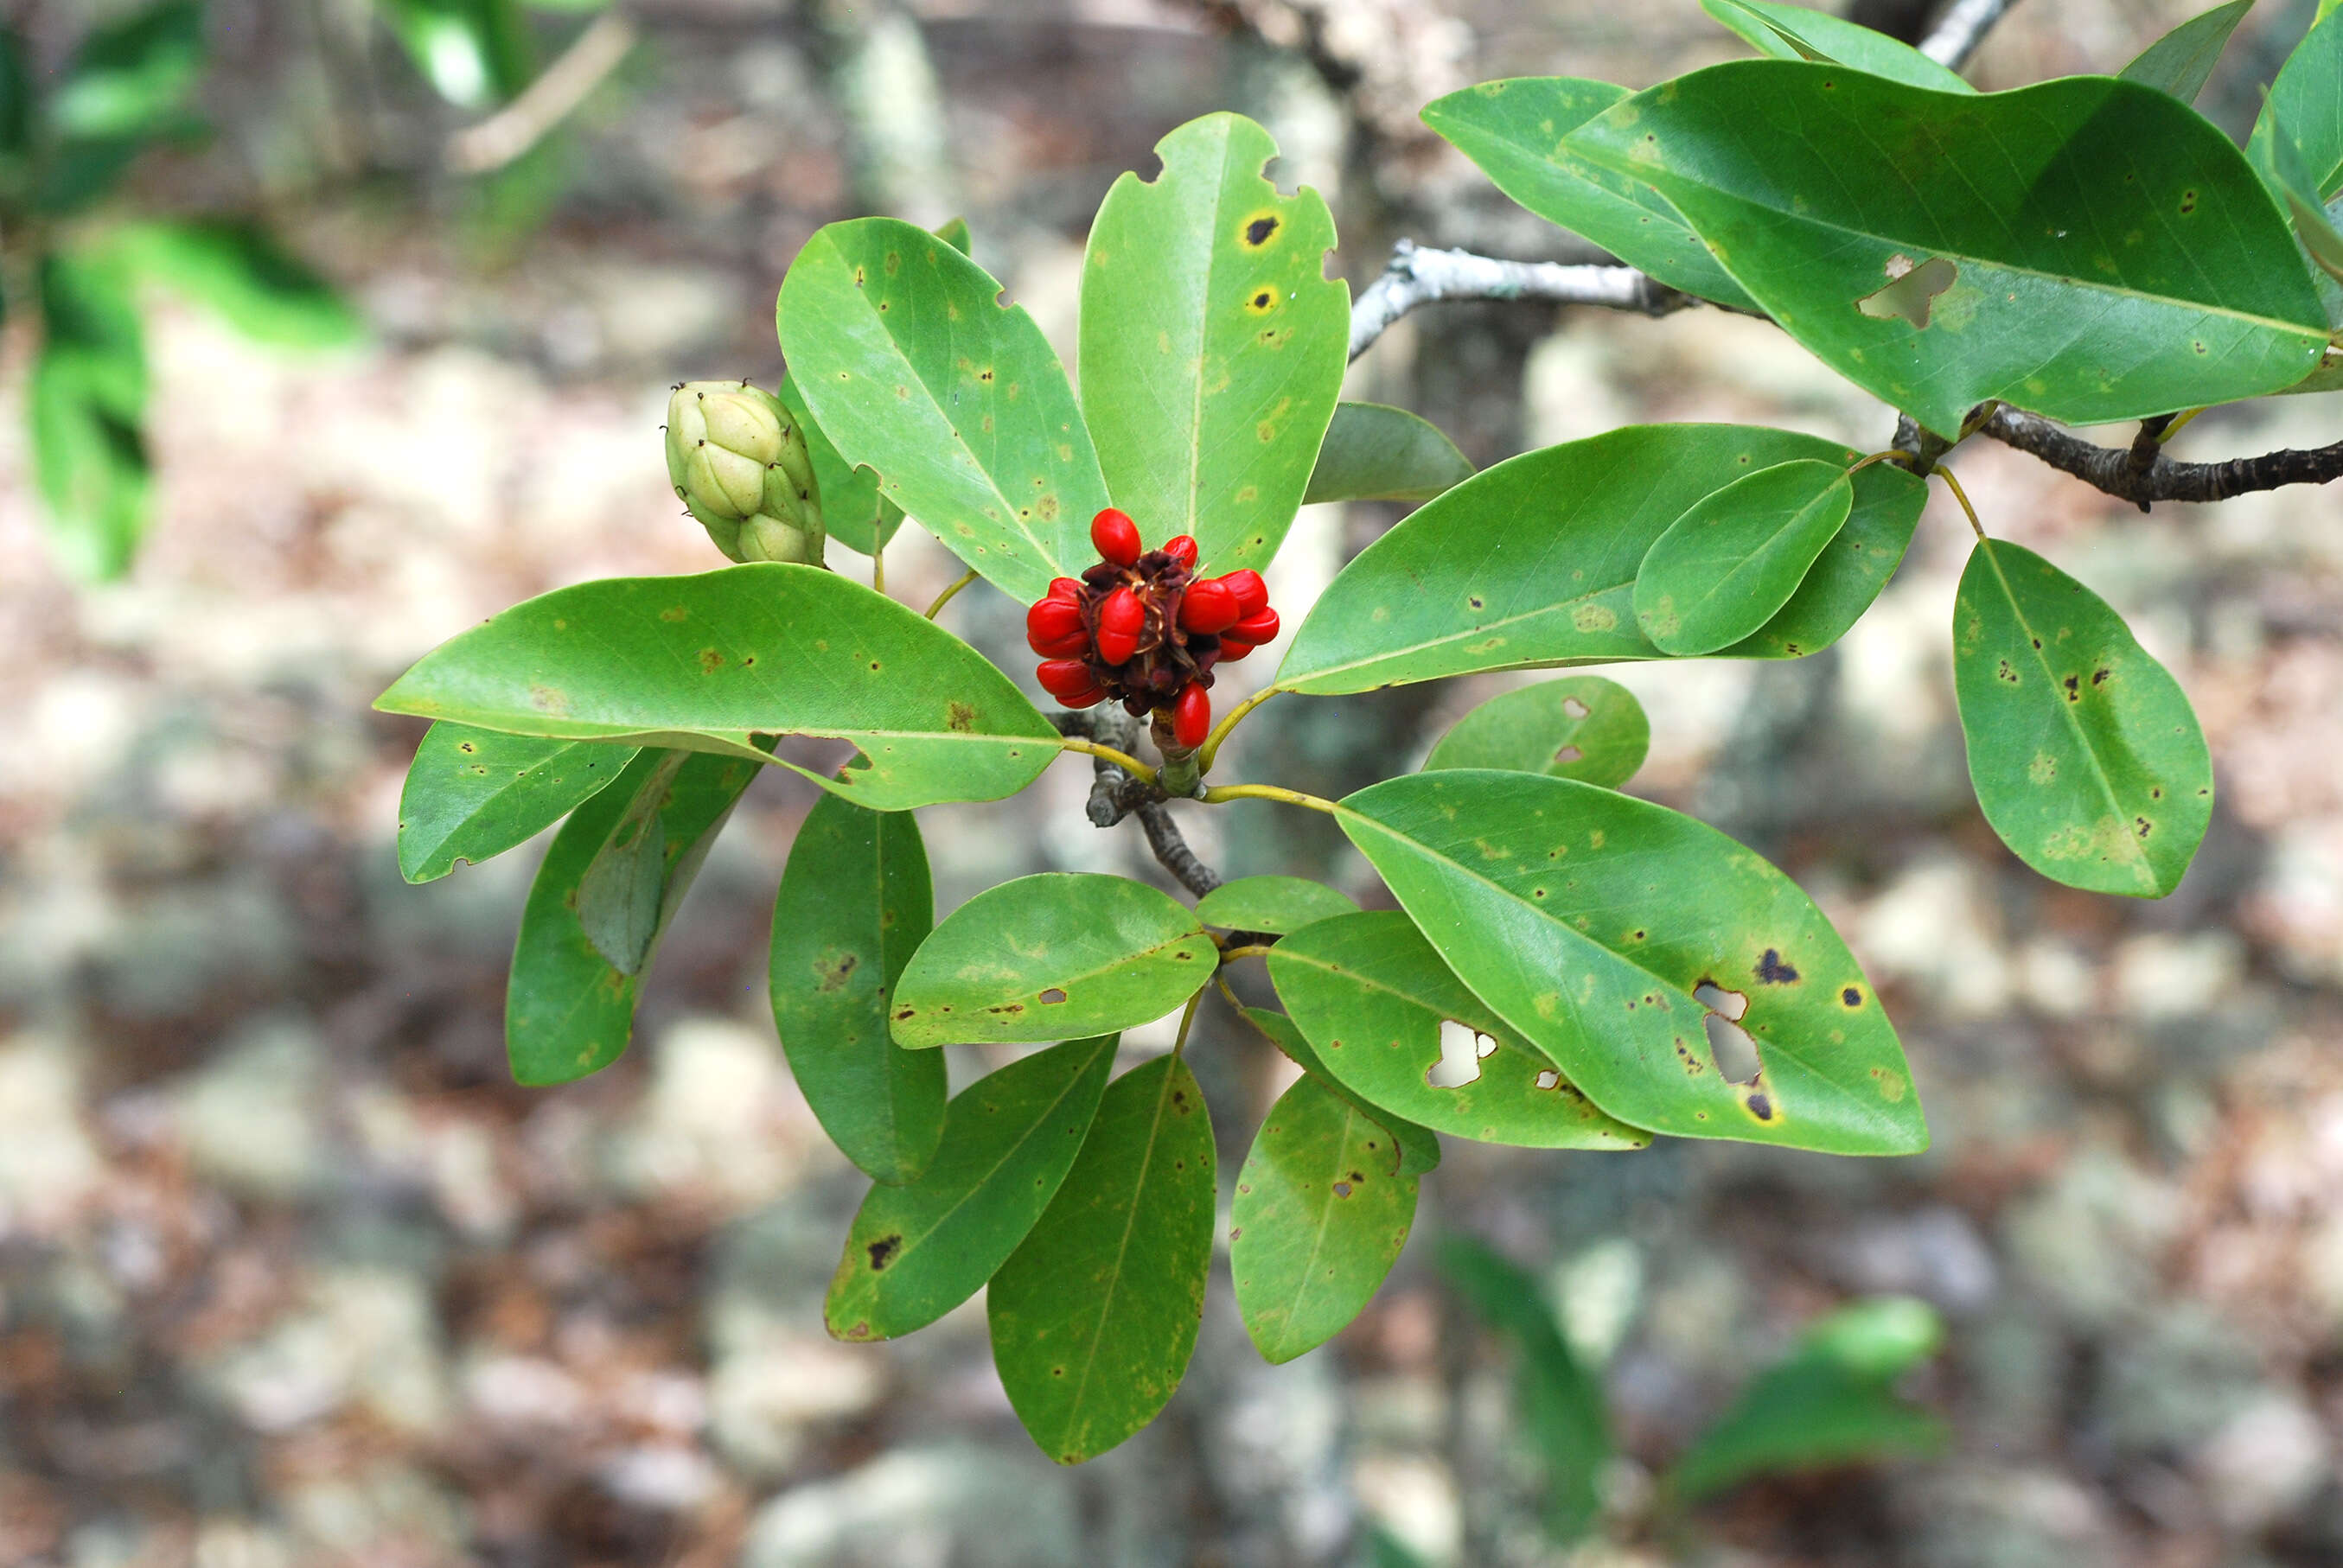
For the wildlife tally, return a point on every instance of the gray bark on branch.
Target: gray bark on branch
(1961, 29)
(2142, 473)
(1416, 276)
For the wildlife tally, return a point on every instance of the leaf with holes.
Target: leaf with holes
(1580, 727)
(568, 1008)
(1733, 560)
(1533, 562)
(1513, 131)
(853, 512)
(1278, 904)
(854, 904)
(1832, 1401)
(917, 1250)
(2107, 254)
(1386, 1017)
(1374, 453)
(2083, 751)
(472, 794)
(1318, 1219)
(914, 369)
(1048, 956)
(2307, 99)
(1094, 1316)
(1587, 919)
(2180, 61)
(1802, 33)
(1412, 1149)
(1212, 343)
(705, 662)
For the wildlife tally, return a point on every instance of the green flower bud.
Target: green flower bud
(739, 463)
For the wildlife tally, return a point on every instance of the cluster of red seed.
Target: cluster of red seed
(1142, 628)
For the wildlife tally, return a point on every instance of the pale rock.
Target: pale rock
(250, 1117)
(2265, 1463)
(2159, 976)
(956, 1504)
(1413, 1497)
(47, 1163)
(365, 1335)
(1938, 925)
(715, 1123)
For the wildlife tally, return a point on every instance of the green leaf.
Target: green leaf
(911, 367)
(2289, 176)
(1095, 1314)
(238, 270)
(1732, 561)
(1829, 1403)
(78, 172)
(918, 1251)
(1278, 904)
(1375, 1000)
(2307, 99)
(1562, 1403)
(953, 232)
(1589, 920)
(474, 52)
(568, 1008)
(87, 404)
(1580, 727)
(472, 794)
(1376, 453)
(1319, 1218)
(1802, 33)
(1513, 131)
(2179, 62)
(1413, 1150)
(1212, 343)
(131, 74)
(621, 900)
(852, 510)
(1048, 956)
(2106, 254)
(17, 96)
(854, 904)
(1533, 562)
(2085, 754)
(704, 663)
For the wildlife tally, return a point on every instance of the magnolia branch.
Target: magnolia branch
(1961, 29)
(1416, 276)
(545, 102)
(2142, 473)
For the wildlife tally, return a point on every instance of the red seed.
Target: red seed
(1121, 621)
(1207, 607)
(1258, 626)
(1116, 537)
(1231, 650)
(1073, 645)
(1191, 715)
(1088, 696)
(1065, 587)
(1049, 623)
(1064, 677)
(1252, 594)
(1182, 548)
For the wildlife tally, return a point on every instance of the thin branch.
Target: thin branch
(2121, 473)
(1115, 794)
(1172, 851)
(1416, 276)
(1962, 29)
(546, 102)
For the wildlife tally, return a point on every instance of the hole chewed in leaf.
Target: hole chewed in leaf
(1575, 708)
(1462, 1047)
(1910, 291)
(1569, 754)
(1717, 999)
(1052, 996)
(1734, 1051)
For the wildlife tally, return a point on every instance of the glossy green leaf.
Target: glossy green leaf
(2107, 254)
(1375, 1000)
(1732, 561)
(918, 1251)
(1579, 726)
(472, 794)
(2289, 176)
(1212, 343)
(1513, 131)
(1318, 1219)
(1048, 956)
(1533, 562)
(1561, 1401)
(1830, 1402)
(1413, 1150)
(705, 662)
(236, 269)
(131, 73)
(2307, 99)
(568, 1010)
(2180, 61)
(474, 52)
(913, 368)
(854, 904)
(853, 512)
(953, 232)
(1279, 904)
(1376, 453)
(621, 900)
(1588, 921)
(2085, 753)
(17, 101)
(85, 405)
(1094, 1315)
(1803, 33)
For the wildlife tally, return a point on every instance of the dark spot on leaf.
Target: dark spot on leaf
(2142, 826)
(907, 1012)
(2187, 202)
(1850, 997)
(1761, 1108)
(958, 716)
(1474, 601)
(2073, 685)
(710, 661)
(2098, 677)
(1257, 231)
(835, 971)
(466, 746)
(1342, 1189)
(1772, 970)
(883, 1251)
(1052, 995)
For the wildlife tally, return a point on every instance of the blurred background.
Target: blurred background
(290, 1272)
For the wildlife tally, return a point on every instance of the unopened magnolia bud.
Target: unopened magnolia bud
(738, 460)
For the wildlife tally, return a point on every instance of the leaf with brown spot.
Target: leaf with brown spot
(472, 794)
